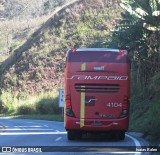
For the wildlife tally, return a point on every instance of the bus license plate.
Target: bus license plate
(97, 124)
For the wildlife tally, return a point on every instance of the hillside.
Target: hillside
(19, 19)
(38, 64)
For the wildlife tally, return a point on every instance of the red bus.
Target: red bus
(97, 91)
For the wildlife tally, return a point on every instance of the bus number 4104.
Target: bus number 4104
(114, 104)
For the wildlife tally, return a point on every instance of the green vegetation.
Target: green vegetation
(44, 103)
(145, 118)
(139, 33)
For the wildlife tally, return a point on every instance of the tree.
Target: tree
(139, 33)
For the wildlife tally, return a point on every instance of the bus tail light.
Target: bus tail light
(69, 111)
(122, 52)
(74, 50)
(68, 102)
(125, 107)
(125, 103)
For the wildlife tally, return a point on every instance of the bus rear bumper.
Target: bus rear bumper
(96, 124)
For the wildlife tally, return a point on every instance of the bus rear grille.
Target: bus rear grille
(97, 88)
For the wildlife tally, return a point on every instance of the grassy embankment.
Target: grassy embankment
(42, 106)
(144, 109)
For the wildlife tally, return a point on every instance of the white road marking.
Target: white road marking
(57, 139)
(124, 153)
(28, 126)
(32, 133)
(136, 153)
(17, 129)
(137, 143)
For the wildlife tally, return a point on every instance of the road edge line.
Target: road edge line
(137, 143)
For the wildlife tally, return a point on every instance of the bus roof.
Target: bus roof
(97, 49)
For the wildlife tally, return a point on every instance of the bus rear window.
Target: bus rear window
(100, 56)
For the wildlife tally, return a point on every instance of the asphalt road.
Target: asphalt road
(21, 135)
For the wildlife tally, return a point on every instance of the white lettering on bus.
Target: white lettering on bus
(101, 77)
(84, 77)
(91, 78)
(81, 77)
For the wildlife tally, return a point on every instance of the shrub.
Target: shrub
(25, 109)
(7, 102)
(1, 106)
(44, 103)
(47, 106)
